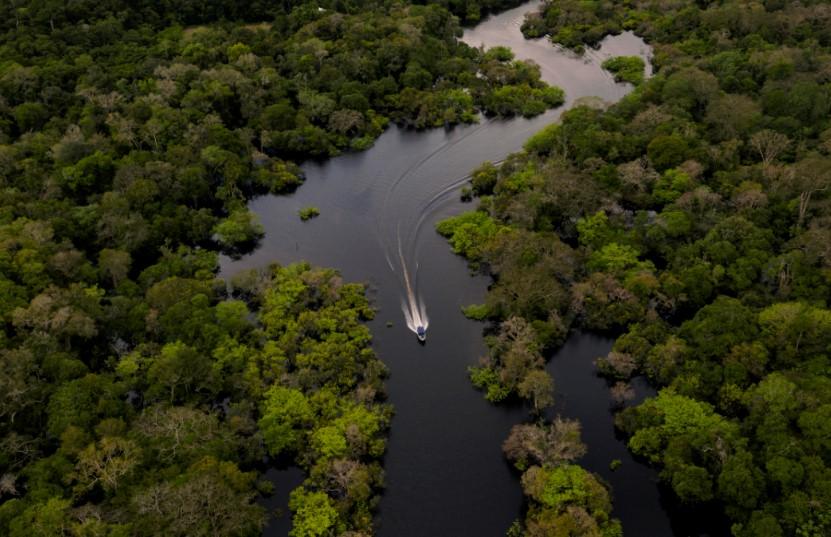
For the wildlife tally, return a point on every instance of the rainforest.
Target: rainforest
(218, 219)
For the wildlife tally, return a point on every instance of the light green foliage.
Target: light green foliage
(279, 176)
(487, 379)
(626, 68)
(285, 416)
(232, 316)
(329, 416)
(670, 186)
(329, 442)
(362, 426)
(477, 312)
(522, 99)
(502, 54)
(677, 224)
(174, 454)
(314, 514)
(568, 484)
(282, 300)
(518, 181)
(307, 213)
(678, 415)
(663, 424)
(45, 519)
(795, 331)
(595, 231)
(568, 496)
(241, 227)
(483, 179)
(470, 233)
(546, 141)
(179, 370)
(615, 258)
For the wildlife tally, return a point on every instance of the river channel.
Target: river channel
(445, 473)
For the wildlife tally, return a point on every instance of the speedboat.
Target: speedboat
(421, 332)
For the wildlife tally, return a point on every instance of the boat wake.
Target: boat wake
(415, 312)
(411, 208)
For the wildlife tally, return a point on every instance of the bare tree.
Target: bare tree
(538, 386)
(8, 485)
(807, 178)
(769, 144)
(557, 443)
(621, 393)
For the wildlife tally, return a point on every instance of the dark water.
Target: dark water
(644, 508)
(445, 472)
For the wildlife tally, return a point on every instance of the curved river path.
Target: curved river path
(445, 473)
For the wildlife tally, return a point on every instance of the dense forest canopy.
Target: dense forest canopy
(141, 395)
(692, 220)
(53, 14)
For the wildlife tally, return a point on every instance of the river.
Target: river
(445, 473)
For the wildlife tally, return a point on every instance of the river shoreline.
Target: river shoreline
(445, 473)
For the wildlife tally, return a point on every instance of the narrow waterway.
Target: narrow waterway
(445, 473)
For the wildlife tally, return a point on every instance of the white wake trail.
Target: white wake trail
(413, 308)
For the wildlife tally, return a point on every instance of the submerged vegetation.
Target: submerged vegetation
(692, 220)
(307, 213)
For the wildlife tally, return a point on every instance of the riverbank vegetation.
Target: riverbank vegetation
(693, 221)
(564, 499)
(141, 394)
(626, 68)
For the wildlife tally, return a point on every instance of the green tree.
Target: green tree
(44, 519)
(626, 68)
(179, 371)
(538, 387)
(240, 228)
(314, 514)
(668, 151)
(285, 415)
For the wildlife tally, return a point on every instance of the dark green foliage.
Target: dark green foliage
(138, 397)
(698, 214)
(574, 23)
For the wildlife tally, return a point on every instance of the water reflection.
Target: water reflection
(445, 472)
